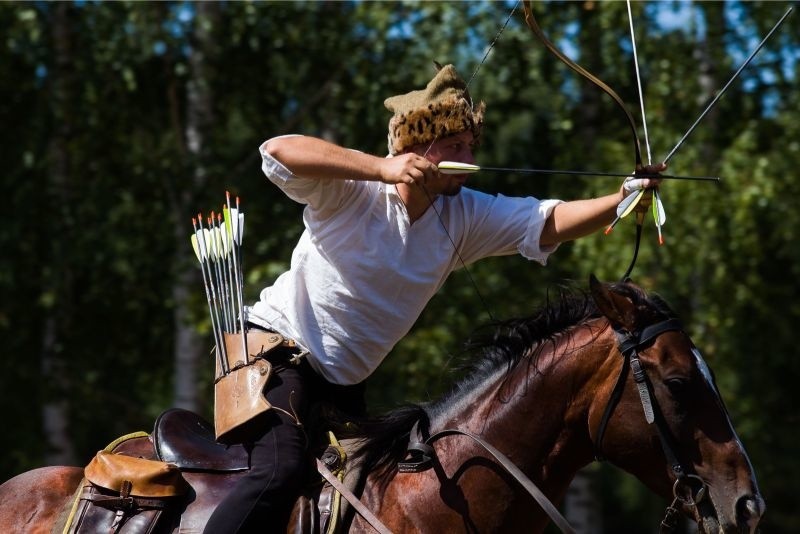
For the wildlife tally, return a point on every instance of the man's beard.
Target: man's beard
(452, 191)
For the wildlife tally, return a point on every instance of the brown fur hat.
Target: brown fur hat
(443, 108)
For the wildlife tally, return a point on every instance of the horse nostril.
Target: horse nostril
(749, 510)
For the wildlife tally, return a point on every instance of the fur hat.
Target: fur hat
(443, 108)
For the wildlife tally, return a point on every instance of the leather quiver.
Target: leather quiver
(239, 395)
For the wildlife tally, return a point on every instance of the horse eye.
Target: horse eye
(676, 386)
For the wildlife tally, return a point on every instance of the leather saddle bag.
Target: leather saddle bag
(127, 495)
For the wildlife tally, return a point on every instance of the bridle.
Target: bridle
(688, 489)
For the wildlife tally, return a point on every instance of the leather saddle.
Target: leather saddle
(185, 439)
(211, 469)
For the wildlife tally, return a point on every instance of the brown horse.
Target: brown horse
(612, 375)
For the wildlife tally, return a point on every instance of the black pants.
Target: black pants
(262, 500)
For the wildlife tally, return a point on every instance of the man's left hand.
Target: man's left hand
(633, 183)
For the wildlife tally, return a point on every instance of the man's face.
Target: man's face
(457, 147)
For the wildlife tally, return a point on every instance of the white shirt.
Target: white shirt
(361, 273)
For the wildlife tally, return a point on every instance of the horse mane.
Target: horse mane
(383, 440)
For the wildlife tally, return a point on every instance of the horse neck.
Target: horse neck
(538, 413)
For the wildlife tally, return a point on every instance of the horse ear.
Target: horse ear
(619, 309)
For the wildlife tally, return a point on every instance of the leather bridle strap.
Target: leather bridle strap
(629, 345)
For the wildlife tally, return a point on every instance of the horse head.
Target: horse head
(662, 418)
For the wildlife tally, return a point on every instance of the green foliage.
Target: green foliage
(97, 177)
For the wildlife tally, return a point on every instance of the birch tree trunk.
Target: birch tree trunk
(55, 408)
(189, 353)
(582, 507)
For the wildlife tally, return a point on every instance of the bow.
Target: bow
(638, 201)
(530, 20)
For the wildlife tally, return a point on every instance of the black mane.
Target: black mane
(383, 440)
(505, 343)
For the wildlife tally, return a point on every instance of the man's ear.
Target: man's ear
(618, 309)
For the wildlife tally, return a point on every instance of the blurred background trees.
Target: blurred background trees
(122, 120)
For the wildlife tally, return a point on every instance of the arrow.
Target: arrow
(212, 242)
(625, 207)
(234, 221)
(455, 167)
(722, 91)
(200, 250)
(659, 215)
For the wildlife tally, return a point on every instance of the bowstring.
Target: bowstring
(657, 204)
(436, 137)
(639, 83)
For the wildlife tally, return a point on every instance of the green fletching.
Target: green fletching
(226, 214)
(659, 215)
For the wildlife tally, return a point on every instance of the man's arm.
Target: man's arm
(313, 158)
(578, 218)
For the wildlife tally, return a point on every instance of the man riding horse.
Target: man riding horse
(381, 236)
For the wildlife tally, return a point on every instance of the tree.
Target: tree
(99, 288)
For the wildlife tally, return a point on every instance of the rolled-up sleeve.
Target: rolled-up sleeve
(501, 226)
(531, 248)
(274, 169)
(322, 195)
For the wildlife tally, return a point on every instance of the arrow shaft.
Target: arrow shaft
(601, 174)
(722, 92)
(208, 282)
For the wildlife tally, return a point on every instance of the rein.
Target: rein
(365, 512)
(630, 343)
(423, 456)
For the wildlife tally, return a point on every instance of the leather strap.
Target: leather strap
(125, 503)
(517, 473)
(371, 518)
(629, 345)
(421, 453)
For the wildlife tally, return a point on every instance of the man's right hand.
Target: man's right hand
(407, 169)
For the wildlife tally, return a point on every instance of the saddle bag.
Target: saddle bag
(127, 495)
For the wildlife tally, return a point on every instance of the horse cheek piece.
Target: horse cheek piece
(689, 488)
